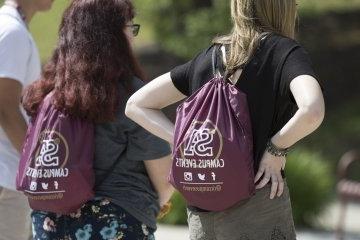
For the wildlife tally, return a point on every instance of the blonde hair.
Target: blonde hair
(252, 18)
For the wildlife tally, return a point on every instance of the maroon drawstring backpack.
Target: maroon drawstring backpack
(56, 166)
(213, 146)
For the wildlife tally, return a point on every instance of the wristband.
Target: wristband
(275, 151)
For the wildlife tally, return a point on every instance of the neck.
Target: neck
(26, 7)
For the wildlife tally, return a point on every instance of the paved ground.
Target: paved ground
(181, 233)
(327, 221)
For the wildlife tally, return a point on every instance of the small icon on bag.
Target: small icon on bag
(201, 176)
(56, 185)
(213, 175)
(33, 186)
(188, 176)
(45, 186)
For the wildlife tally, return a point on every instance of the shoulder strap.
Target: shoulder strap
(231, 77)
(234, 78)
(213, 61)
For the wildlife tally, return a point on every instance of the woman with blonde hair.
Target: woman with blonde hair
(285, 103)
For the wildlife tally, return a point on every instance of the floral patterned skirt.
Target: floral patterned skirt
(96, 220)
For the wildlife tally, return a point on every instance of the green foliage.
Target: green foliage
(310, 182)
(339, 133)
(45, 26)
(177, 214)
(311, 7)
(185, 27)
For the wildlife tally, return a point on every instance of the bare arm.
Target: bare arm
(144, 107)
(310, 101)
(11, 119)
(158, 171)
(308, 118)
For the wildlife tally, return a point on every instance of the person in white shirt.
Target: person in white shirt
(19, 66)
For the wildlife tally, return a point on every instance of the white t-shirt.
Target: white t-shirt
(19, 60)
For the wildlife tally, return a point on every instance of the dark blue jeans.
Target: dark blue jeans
(96, 220)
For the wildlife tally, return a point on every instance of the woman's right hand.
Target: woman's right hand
(158, 171)
(270, 170)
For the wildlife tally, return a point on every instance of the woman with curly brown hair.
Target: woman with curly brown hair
(91, 74)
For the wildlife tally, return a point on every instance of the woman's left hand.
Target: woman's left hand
(270, 168)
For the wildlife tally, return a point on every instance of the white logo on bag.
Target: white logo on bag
(33, 186)
(188, 176)
(213, 175)
(45, 186)
(201, 176)
(199, 141)
(48, 152)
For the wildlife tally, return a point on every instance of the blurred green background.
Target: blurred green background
(173, 31)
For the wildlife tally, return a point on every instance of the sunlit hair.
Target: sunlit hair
(250, 19)
(93, 55)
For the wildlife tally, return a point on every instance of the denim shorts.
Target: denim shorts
(96, 220)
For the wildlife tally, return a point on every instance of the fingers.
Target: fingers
(283, 163)
(270, 170)
(277, 186)
(281, 185)
(265, 180)
(259, 174)
(274, 186)
(277, 182)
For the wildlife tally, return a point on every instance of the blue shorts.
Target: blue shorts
(96, 220)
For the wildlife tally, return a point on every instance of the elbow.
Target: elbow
(314, 115)
(130, 108)
(317, 117)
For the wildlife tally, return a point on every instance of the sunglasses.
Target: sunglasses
(135, 28)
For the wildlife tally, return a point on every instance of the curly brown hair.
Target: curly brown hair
(93, 55)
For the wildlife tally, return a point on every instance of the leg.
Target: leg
(15, 215)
